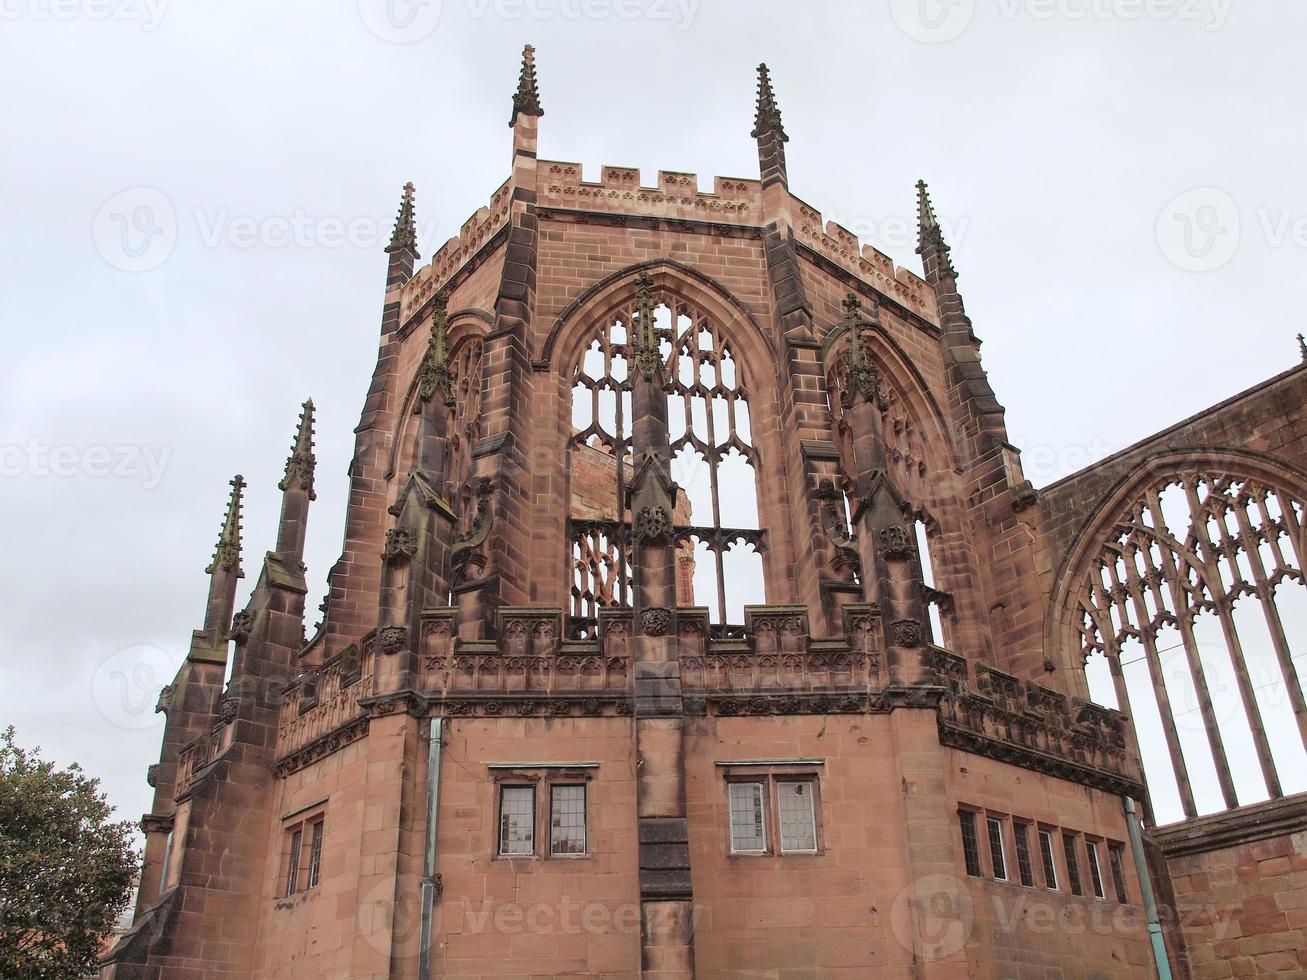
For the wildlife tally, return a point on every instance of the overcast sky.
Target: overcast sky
(195, 197)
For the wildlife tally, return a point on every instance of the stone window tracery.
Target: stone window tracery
(1189, 619)
(714, 462)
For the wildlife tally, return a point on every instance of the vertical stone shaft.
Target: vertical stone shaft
(805, 418)
(666, 896)
(891, 570)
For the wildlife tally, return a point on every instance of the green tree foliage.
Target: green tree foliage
(65, 869)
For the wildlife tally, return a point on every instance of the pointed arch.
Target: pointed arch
(723, 423)
(1170, 605)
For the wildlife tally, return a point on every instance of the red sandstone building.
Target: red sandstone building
(695, 618)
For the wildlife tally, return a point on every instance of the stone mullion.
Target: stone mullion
(1234, 648)
(1164, 710)
(1276, 627)
(1184, 623)
(1112, 653)
(666, 935)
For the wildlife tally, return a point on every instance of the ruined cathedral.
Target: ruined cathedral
(694, 618)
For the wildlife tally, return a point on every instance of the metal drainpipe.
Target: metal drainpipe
(429, 895)
(1146, 887)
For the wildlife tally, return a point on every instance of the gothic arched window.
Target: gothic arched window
(1190, 619)
(905, 459)
(714, 464)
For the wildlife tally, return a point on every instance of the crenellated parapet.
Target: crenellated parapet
(475, 232)
(869, 264)
(620, 190)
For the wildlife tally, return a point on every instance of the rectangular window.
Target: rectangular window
(293, 866)
(748, 827)
(1115, 858)
(315, 855)
(517, 812)
(970, 848)
(1095, 872)
(996, 856)
(797, 817)
(1046, 858)
(1024, 869)
(1072, 864)
(567, 820)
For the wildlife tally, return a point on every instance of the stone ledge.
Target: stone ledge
(1257, 821)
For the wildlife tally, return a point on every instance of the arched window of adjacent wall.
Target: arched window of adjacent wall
(1192, 619)
(719, 538)
(906, 453)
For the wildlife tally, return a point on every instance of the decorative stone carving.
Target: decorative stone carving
(152, 775)
(906, 633)
(401, 546)
(895, 543)
(241, 625)
(392, 639)
(165, 699)
(1024, 495)
(656, 621)
(653, 525)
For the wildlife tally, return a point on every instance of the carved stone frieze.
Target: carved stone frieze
(392, 639)
(656, 621)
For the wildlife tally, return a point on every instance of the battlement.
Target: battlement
(676, 195)
(451, 256)
(868, 263)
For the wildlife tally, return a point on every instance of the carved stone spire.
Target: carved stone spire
(526, 100)
(648, 361)
(405, 235)
(1302, 347)
(301, 463)
(227, 556)
(931, 246)
(768, 118)
(297, 490)
(770, 134)
(863, 382)
(435, 378)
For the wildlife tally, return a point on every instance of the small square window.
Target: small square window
(996, 856)
(567, 819)
(748, 823)
(293, 865)
(1072, 864)
(1115, 858)
(1046, 859)
(315, 855)
(1095, 872)
(796, 816)
(517, 805)
(970, 846)
(1021, 832)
